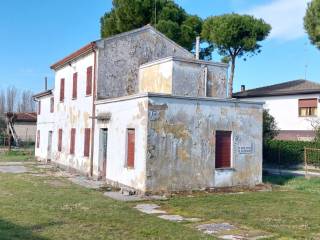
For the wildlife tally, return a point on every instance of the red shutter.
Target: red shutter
(72, 140)
(60, 140)
(39, 107)
(61, 89)
(311, 102)
(89, 81)
(86, 152)
(52, 104)
(223, 149)
(131, 148)
(38, 138)
(74, 85)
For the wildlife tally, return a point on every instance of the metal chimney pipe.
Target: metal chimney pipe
(243, 88)
(45, 83)
(197, 47)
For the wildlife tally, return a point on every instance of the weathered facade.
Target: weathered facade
(158, 120)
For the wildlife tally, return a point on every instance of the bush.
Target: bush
(286, 153)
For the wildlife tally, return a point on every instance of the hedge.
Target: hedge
(288, 153)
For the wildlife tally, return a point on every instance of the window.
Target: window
(223, 149)
(39, 107)
(72, 140)
(89, 81)
(130, 147)
(86, 152)
(62, 90)
(308, 107)
(74, 85)
(60, 140)
(38, 138)
(52, 104)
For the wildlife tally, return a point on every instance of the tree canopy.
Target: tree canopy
(165, 15)
(235, 36)
(270, 128)
(312, 22)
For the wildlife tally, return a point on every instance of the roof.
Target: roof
(24, 116)
(92, 45)
(43, 94)
(282, 89)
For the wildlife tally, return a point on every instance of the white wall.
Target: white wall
(72, 114)
(45, 123)
(131, 113)
(285, 111)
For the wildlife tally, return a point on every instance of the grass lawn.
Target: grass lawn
(16, 155)
(49, 208)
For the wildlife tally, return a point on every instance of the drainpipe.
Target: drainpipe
(93, 111)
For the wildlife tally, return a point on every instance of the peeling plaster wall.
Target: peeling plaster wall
(121, 57)
(184, 77)
(45, 123)
(181, 143)
(72, 113)
(131, 113)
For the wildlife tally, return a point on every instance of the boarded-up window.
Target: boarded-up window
(130, 147)
(74, 85)
(60, 140)
(86, 152)
(52, 104)
(89, 81)
(62, 82)
(308, 107)
(39, 107)
(223, 149)
(38, 138)
(72, 140)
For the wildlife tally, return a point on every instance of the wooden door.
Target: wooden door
(223, 149)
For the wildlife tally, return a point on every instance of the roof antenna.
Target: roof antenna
(306, 60)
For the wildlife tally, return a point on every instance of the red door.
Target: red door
(223, 149)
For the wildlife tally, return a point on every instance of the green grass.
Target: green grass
(16, 155)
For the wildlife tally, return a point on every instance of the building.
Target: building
(139, 111)
(22, 126)
(293, 104)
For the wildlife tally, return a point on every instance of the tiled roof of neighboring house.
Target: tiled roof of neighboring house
(42, 94)
(287, 88)
(24, 116)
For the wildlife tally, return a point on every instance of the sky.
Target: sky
(36, 33)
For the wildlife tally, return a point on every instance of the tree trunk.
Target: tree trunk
(230, 82)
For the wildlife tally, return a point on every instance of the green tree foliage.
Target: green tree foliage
(235, 36)
(312, 22)
(171, 19)
(270, 129)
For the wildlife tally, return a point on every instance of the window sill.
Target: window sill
(129, 168)
(225, 169)
(311, 116)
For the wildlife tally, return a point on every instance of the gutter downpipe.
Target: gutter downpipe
(93, 111)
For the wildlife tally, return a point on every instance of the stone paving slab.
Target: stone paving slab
(150, 209)
(87, 183)
(215, 228)
(124, 198)
(13, 169)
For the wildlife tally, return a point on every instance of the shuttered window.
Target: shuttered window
(223, 149)
(87, 142)
(38, 138)
(74, 85)
(60, 140)
(308, 107)
(39, 107)
(130, 148)
(62, 82)
(72, 140)
(52, 104)
(89, 81)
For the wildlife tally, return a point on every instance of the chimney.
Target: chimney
(243, 88)
(45, 83)
(197, 47)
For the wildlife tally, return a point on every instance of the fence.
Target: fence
(311, 160)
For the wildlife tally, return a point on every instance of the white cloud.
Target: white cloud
(285, 17)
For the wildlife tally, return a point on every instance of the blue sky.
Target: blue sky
(36, 33)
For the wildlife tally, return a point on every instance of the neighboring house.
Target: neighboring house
(293, 104)
(23, 125)
(138, 110)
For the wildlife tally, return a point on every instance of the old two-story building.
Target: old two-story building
(138, 110)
